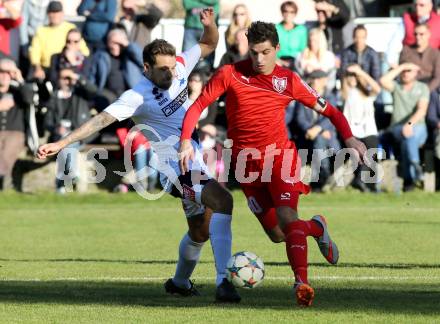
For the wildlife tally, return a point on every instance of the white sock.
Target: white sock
(221, 240)
(189, 254)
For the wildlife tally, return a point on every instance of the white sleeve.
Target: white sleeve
(190, 58)
(395, 45)
(126, 106)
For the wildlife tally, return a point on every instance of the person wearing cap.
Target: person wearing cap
(359, 91)
(316, 131)
(408, 127)
(50, 40)
(15, 97)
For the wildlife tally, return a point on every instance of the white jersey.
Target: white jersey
(162, 111)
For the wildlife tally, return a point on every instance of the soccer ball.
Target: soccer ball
(245, 270)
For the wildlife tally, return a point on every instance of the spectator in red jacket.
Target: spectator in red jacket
(9, 19)
(423, 14)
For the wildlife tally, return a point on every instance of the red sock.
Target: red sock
(296, 248)
(313, 228)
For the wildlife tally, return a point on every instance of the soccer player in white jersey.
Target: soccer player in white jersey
(159, 102)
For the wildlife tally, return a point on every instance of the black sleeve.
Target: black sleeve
(51, 118)
(341, 19)
(26, 93)
(86, 89)
(151, 17)
(23, 95)
(53, 70)
(432, 117)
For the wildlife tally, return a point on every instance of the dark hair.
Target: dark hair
(74, 30)
(359, 27)
(422, 25)
(289, 4)
(259, 32)
(157, 47)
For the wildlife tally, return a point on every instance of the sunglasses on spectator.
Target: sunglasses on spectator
(195, 80)
(289, 11)
(66, 78)
(72, 41)
(236, 14)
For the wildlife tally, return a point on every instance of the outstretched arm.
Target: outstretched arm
(310, 98)
(341, 124)
(215, 87)
(210, 36)
(94, 125)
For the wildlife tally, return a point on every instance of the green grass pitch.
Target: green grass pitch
(104, 258)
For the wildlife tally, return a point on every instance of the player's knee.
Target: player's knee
(199, 235)
(286, 215)
(224, 203)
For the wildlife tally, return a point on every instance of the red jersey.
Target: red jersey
(255, 104)
(6, 24)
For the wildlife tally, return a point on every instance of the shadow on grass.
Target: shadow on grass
(391, 298)
(269, 263)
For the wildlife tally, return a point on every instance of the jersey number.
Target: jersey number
(254, 206)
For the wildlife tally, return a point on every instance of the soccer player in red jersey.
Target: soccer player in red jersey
(257, 93)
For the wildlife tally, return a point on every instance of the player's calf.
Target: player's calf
(198, 226)
(275, 234)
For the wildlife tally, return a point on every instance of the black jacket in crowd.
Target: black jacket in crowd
(76, 109)
(15, 118)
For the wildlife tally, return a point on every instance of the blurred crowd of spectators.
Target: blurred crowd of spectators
(54, 76)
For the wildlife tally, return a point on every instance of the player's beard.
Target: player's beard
(164, 81)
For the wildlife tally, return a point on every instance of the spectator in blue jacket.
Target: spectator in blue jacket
(361, 54)
(100, 16)
(433, 120)
(318, 130)
(118, 67)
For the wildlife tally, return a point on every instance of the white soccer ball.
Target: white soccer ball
(245, 270)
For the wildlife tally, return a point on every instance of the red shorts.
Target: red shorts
(280, 187)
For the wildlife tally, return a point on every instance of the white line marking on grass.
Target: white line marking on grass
(281, 278)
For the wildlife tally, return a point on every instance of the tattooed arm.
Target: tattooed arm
(94, 125)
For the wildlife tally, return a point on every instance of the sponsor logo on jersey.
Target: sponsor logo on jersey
(160, 98)
(188, 193)
(245, 78)
(285, 196)
(279, 84)
(172, 107)
(157, 95)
